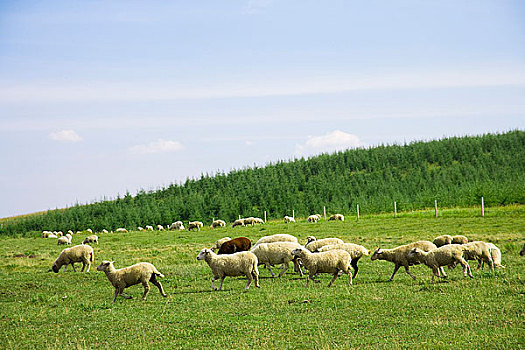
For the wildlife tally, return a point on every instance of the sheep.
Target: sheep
(480, 251)
(258, 221)
(522, 251)
(238, 264)
(271, 254)
(496, 257)
(447, 255)
(219, 243)
(356, 252)
(91, 239)
(177, 225)
(239, 222)
(331, 261)
(52, 235)
(121, 229)
(89, 230)
(313, 243)
(140, 228)
(459, 239)
(79, 253)
(60, 234)
(249, 221)
(195, 224)
(65, 239)
(288, 219)
(314, 218)
(123, 278)
(399, 256)
(45, 234)
(339, 217)
(149, 228)
(282, 237)
(160, 227)
(235, 245)
(70, 232)
(218, 223)
(442, 240)
(106, 231)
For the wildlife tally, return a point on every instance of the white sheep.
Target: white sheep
(160, 227)
(442, 240)
(236, 264)
(105, 231)
(123, 278)
(149, 228)
(121, 229)
(89, 230)
(313, 243)
(258, 221)
(70, 232)
(79, 253)
(331, 261)
(480, 251)
(249, 221)
(338, 217)
(356, 252)
(45, 234)
(399, 256)
(271, 254)
(496, 257)
(91, 239)
(239, 222)
(60, 234)
(459, 239)
(218, 223)
(177, 225)
(219, 242)
(280, 237)
(314, 218)
(195, 224)
(52, 235)
(288, 219)
(140, 228)
(447, 255)
(64, 239)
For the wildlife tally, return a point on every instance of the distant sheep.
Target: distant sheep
(459, 239)
(65, 239)
(442, 240)
(288, 219)
(121, 229)
(314, 218)
(142, 272)
(332, 262)
(339, 217)
(281, 237)
(45, 234)
(271, 254)
(194, 225)
(160, 227)
(140, 228)
(70, 232)
(235, 245)
(447, 255)
(238, 264)
(258, 221)
(356, 252)
(218, 223)
(149, 228)
(91, 239)
(79, 253)
(219, 242)
(249, 221)
(89, 230)
(313, 244)
(177, 225)
(239, 222)
(105, 231)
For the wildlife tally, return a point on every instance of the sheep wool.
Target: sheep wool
(356, 252)
(480, 251)
(459, 239)
(281, 237)
(91, 239)
(442, 240)
(79, 253)
(313, 244)
(447, 255)
(270, 254)
(331, 262)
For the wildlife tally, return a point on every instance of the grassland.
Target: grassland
(40, 309)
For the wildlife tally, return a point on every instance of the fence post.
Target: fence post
(265, 216)
(293, 214)
(357, 211)
(324, 211)
(239, 217)
(436, 208)
(482, 208)
(395, 209)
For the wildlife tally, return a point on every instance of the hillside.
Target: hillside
(456, 171)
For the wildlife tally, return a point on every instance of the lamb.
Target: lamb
(442, 240)
(218, 223)
(459, 239)
(160, 227)
(238, 264)
(177, 225)
(288, 219)
(65, 239)
(447, 255)
(313, 244)
(121, 229)
(331, 261)
(239, 222)
(219, 243)
(314, 218)
(235, 245)
(271, 254)
(149, 228)
(479, 251)
(91, 239)
(79, 253)
(195, 225)
(282, 237)
(356, 252)
(399, 256)
(339, 217)
(121, 279)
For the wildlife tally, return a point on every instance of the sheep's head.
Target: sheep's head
(377, 254)
(104, 266)
(298, 252)
(414, 253)
(203, 254)
(310, 239)
(55, 268)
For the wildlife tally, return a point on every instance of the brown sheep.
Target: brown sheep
(235, 245)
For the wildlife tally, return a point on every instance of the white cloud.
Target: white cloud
(65, 135)
(256, 6)
(333, 141)
(158, 146)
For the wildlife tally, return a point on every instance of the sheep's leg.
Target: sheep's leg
(88, 266)
(481, 264)
(407, 269)
(297, 267)
(83, 266)
(466, 268)
(354, 266)
(212, 282)
(268, 267)
(349, 277)
(442, 271)
(222, 280)
(285, 267)
(146, 289)
(155, 282)
(310, 277)
(73, 265)
(250, 279)
(395, 270)
(117, 292)
(256, 278)
(336, 274)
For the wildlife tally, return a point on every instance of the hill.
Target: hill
(456, 171)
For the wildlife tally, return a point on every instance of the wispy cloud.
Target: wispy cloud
(158, 146)
(65, 136)
(333, 141)
(256, 6)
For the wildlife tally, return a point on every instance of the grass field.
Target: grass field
(40, 309)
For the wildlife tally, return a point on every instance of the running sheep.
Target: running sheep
(79, 253)
(447, 255)
(332, 262)
(123, 278)
(239, 244)
(480, 251)
(238, 264)
(442, 240)
(313, 244)
(356, 252)
(271, 254)
(459, 239)
(91, 239)
(280, 237)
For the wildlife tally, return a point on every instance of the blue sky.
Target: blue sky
(103, 97)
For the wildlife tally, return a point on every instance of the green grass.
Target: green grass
(40, 309)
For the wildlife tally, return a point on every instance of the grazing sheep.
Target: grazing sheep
(79, 253)
(399, 256)
(219, 243)
(70, 232)
(160, 227)
(60, 234)
(281, 237)
(140, 228)
(314, 218)
(442, 240)
(331, 261)
(65, 239)
(149, 228)
(123, 278)
(195, 225)
(271, 254)
(218, 223)
(479, 251)
(238, 264)
(121, 229)
(235, 245)
(447, 255)
(239, 222)
(89, 230)
(45, 234)
(52, 235)
(313, 243)
(177, 225)
(496, 257)
(522, 251)
(459, 239)
(106, 231)
(339, 217)
(288, 219)
(356, 252)
(258, 221)
(91, 239)
(249, 221)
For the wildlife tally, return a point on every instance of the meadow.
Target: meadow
(40, 309)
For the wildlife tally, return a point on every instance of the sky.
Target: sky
(98, 98)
